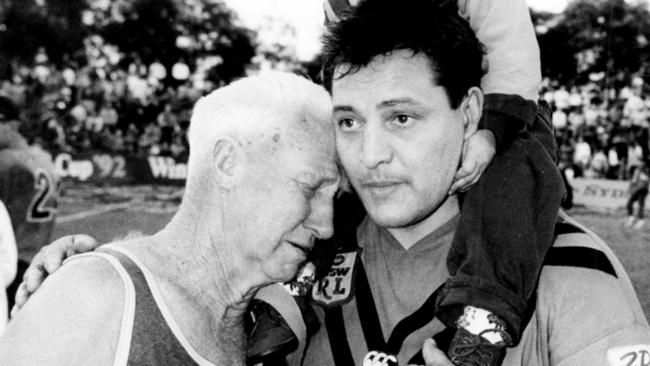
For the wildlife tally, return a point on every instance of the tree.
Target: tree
(215, 31)
(591, 36)
(171, 30)
(143, 27)
(276, 50)
(162, 30)
(27, 25)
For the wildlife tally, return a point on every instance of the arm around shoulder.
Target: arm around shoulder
(74, 319)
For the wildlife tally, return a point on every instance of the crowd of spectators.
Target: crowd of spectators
(115, 103)
(600, 133)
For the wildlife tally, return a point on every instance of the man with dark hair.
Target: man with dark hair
(404, 77)
(507, 219)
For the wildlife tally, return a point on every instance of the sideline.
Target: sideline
(93, 212)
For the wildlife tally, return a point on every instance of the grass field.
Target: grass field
(113, 212)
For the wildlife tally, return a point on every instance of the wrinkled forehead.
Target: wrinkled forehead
(311, 130)
(308, 144)
(303, 133)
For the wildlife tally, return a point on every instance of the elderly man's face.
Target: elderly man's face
(397, 137)
(293, 186)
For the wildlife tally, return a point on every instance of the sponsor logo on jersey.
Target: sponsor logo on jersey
(338, 286)
(378, 358)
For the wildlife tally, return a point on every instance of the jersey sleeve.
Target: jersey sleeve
(512, 52)
(629, 346)
(595, 319)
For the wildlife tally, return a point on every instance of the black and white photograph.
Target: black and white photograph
(324, 182)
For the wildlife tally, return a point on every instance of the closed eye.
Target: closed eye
(307, 189)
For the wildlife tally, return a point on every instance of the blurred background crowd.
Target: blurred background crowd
(600, 136)
(121, 76)
(121, 108)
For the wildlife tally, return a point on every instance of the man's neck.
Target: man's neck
(207, 294)
(219, 280)
(409, 235)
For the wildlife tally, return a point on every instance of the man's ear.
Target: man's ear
(227, 157)
(471, 108)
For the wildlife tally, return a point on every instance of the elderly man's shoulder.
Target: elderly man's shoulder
(586, 308)
(84, 303)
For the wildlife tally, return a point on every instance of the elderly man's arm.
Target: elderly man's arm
(48, 260)
(74, 319)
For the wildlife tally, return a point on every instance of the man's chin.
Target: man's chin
(398, 214)
(390, 216)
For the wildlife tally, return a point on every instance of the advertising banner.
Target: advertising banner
(120, 169)
(601, 193)
(124, 169)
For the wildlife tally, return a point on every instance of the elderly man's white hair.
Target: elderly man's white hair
(249, 107)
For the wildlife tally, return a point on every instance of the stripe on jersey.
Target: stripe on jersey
(339, 344)
(580, 257)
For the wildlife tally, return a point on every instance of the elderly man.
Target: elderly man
(262, 176)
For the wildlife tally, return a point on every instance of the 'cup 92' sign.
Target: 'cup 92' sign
(87, 167)
(116, 168)
(68, 167)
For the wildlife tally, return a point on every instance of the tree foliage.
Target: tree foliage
(594, 36)
(145, 28)
(215, 30)
(151, 30)
(27, 25)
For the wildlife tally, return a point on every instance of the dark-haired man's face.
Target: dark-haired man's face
(397, 137)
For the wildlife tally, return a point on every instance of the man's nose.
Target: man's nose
(375, 149)
(320, 220)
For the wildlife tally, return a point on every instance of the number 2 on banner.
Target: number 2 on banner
(45, 187)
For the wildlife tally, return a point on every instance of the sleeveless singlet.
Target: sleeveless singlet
(149, 334)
